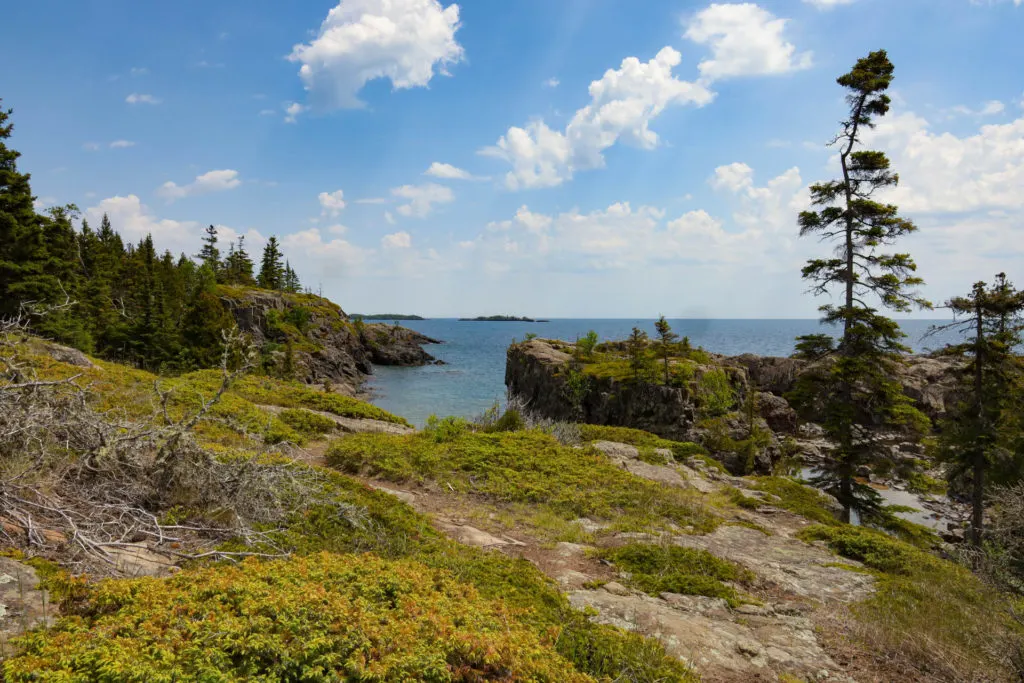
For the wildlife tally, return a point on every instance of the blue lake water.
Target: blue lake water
(474, 377)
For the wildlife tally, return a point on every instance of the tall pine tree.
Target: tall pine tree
(984, 429)
(271, 270)
(858, 393)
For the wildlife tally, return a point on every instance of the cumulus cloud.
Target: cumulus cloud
(828, 4)
(133, 220)
(990, 108)
(138, 98)
(745, 40)
(332, 203)
(326, 259)
(404, 41)
(211, 181)
(623, 104)
(422, 198)
(449, 172)
(372, 200)
(941, 172)
(292, 111)
(397, 240)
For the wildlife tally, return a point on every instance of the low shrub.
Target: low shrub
(322, 617)
(306, 422)
(522, 467)
(796, 497)
(657, 569)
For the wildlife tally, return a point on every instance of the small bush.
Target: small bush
(657, 569)
(445, 430)
(322, 617)
(715, 393)
(510, 421)
(796, 497)
(306, 422)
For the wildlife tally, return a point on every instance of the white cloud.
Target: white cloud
(337, 229)
(121, 144)
(133, 220)
(990, 108)
(828, 4)
(623, 104)
(329, 259)
(422, 198)
(139, 71)
(734, 177)
(397, 240)
(389, 218)
(91, 146)
(292, 111)
(940, 172)
(745, 40)
(211, 181)
(404, 41)
(137, 98)
(449, 172)
(332, 203)
(372, 200)
(552, 83)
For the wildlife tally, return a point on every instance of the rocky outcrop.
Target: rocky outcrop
(540, 375)
(929, 380)
(325, 344)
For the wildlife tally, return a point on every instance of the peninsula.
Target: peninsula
(501, 319)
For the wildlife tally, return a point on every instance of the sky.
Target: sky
(561, 158)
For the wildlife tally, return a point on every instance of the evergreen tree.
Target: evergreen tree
(271, 271)
(22, 245)
(210, 254)
(985, 427)
(291, 279)
(666, 343)
(858, 391)
(636, 347)
(242, 266)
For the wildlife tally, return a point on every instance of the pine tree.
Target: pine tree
(22, 245)
(242, 270)
(859, 390)
(666, 343)
(210, 254)
(985, 424)
(636, 347)
(291, 279)
(271, 271)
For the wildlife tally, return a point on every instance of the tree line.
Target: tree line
(90, 289)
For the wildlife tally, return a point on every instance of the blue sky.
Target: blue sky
(578, 158)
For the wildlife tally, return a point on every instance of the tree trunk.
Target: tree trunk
(978, 495)
(846, 493)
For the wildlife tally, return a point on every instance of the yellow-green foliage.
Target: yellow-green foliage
(933, 612)
(307, 422)
(681, 450)
(795, 497)
(715, 392)
(527, 467)
(322, 617)
(657, 569)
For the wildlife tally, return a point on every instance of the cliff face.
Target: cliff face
(541, 374)
(324, 344)
(538, 373)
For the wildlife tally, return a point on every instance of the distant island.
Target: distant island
(386, 316)
(501, 319)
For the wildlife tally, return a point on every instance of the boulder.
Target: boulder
(776, 411)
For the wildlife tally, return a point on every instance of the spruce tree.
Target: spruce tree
(636, 348)
(859, 392)
(22, 245)
(243, 265)
(984, 428)
(291, 279)
(210, 254)
(666, 343)
(271, 270)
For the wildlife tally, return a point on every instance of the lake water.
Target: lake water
(474, 352)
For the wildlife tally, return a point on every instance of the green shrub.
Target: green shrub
(522, 467)
(715, 392)
(322, 617)
(796, 497)
(445, 430)
(306, 422)
(657, 569)
(510, 421)
(874, 549)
